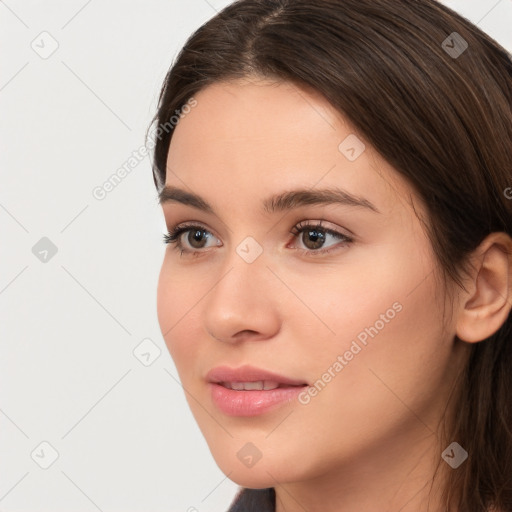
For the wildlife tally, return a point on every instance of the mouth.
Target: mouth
(251, 391)
(260, 385)
(249, 378)
(257, 386)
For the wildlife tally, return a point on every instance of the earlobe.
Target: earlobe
(486, 306)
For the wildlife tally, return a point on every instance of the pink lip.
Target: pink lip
(248, 373)
(250, 403)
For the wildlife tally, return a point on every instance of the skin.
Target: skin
(368, 440)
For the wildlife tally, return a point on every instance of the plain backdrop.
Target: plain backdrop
(92, 415)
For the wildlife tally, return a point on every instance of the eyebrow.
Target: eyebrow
(280, 202)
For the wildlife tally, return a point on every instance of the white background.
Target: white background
(125, 437)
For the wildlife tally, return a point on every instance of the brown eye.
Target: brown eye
(313, 238)
(195, 238)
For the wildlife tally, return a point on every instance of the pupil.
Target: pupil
(316, 237)
(196, 237)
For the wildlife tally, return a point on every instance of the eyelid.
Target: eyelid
(181, 228)
(330, 227)
(337, 233)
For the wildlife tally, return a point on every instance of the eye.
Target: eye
(196, 237)
(314, 237)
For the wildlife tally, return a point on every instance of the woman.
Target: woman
(337, 287)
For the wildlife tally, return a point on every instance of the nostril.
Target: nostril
(247, 333)
(243, 334)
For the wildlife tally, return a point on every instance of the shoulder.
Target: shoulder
(254, 500)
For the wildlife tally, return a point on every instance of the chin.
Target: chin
(251, 478)
(261, 475)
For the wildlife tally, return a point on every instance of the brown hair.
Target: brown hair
(442, 120)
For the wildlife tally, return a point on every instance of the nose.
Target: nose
(244, 303)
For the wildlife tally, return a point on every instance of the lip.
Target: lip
(252, 402)
(248, 373)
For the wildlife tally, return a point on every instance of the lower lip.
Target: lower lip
(251, 403)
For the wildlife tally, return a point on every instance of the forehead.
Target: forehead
(254, 137)
(251, 114)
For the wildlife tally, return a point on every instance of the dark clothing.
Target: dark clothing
(254, 500)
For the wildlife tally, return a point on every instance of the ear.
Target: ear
(487, 303)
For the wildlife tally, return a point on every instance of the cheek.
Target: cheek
(389, 357)
(177, 311)
(382, 319)
(367, 290)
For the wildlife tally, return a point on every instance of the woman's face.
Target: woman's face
(357, 321)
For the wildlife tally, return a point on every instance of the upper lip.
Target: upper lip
(248, 373)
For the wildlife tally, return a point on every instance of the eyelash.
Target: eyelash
(174, 237)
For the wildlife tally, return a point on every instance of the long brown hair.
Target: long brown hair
(438, 111)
